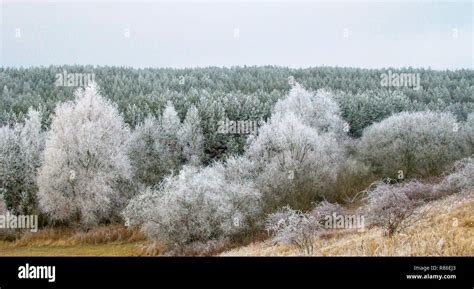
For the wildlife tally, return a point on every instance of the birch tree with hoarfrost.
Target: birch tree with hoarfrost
(86, 170)
(20, 157)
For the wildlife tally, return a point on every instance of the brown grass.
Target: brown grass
(113, 249)
(69, 236)
(112, 240)
(441, 228)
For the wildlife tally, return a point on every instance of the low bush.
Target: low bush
(389, 207)
(197, 205)
(294, 227)
(460, 178)
(417, 191)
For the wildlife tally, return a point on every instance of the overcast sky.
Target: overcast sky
(190, 34)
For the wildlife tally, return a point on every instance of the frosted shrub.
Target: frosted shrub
(411, 144)
(389, 207)
(294, 227)
(86, 170)
(198, 204)
(324, 209)
(240, 169)
(461, 179)
(417, 191)
(20, 157)
(297, 164)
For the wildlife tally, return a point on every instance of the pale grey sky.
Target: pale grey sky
(190, 34)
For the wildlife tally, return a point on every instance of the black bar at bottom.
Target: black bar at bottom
(242, 272)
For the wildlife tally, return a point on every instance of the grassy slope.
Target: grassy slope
(114, 249)
(112, 240)
(435, 233)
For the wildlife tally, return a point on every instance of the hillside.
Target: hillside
(442, 228)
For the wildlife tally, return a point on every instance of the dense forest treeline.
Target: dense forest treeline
(237, 93)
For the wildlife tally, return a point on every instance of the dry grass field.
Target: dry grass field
(114, 240)
(441, 228)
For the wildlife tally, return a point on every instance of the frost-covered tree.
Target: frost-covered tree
(297, 164)
(198, 204)
(154, 147)
(298, 150)
(86, 171)
(411, 144)
(190, 137)
(20, 157)
(317, 110)
(170, 124)
(146, 152)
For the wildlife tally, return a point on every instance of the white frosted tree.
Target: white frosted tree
(20, 157)
(190, 137)
(297, 164)
(86, 168)
(298, 151)
(170, 124)
(318, 110)
(411, 144)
